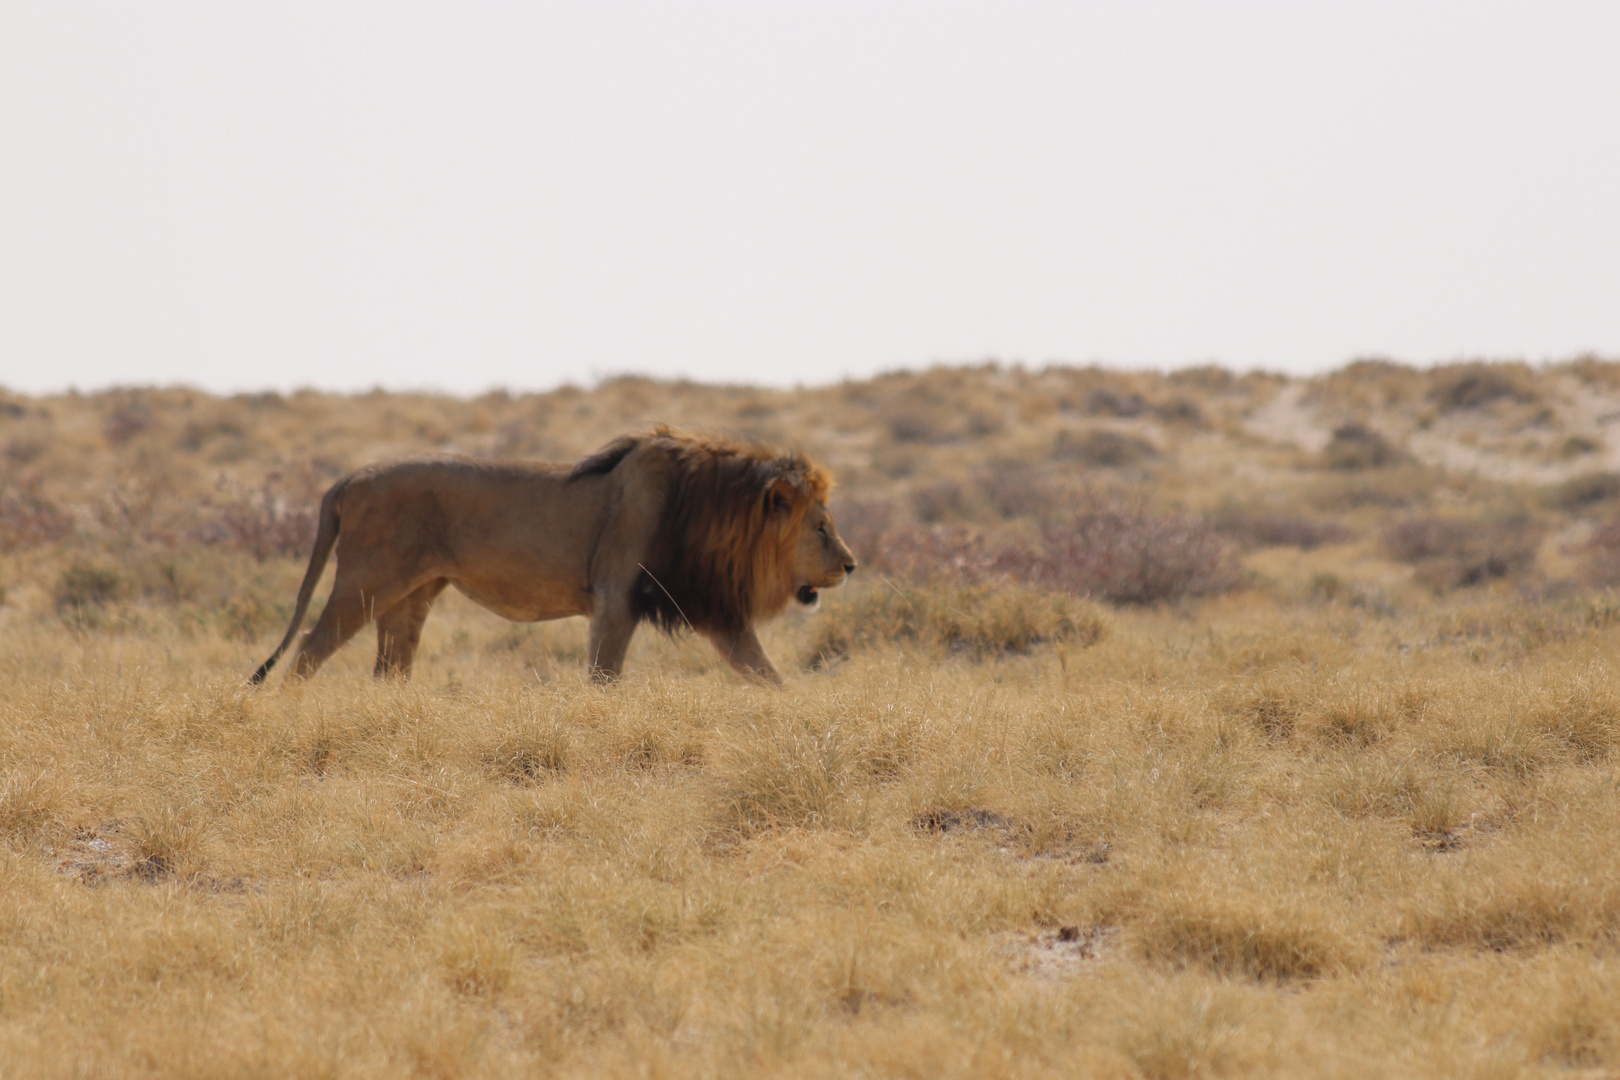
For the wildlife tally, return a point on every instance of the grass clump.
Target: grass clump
(1237, 936)
(978, 620)
(529, 754)
(1520, 912)
(776, 776)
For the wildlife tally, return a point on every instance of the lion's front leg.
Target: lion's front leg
(612, 624)
(746, 655)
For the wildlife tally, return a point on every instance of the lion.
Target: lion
(685, 532)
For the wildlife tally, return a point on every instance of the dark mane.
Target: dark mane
(724, 550)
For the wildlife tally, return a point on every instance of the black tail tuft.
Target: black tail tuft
(264, 669)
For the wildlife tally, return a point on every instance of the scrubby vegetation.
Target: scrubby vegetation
(1175, 725)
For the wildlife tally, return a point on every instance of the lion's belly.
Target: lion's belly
(524, 601)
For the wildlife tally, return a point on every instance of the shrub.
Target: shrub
(1454, 552)
(937, 555)
(1180, 411)
(23, 450)
(1106, 401)
(1588, 489)
(27, 518)
(128, 418)
(1249, 529)
(1018, 491)
(1575, 446)
(1601, 563)
(1355, 446)
(1103, 448)
(84, 586)
(1208, 378)
(1470, 386)
(862, 526)
(980, 620)
(934, 421)
(940, 501)
(1130, 557)
(1121, 556)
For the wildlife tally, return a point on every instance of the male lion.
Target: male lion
(683, 532)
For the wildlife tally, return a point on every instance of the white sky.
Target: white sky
(459, 195)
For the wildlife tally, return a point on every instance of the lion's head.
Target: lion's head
(744, 531)
(821, 558)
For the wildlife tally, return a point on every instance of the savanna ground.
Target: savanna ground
(1176, 725)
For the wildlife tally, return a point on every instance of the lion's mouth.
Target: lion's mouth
(808, 595)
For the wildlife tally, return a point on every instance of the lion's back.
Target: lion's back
(466, 508)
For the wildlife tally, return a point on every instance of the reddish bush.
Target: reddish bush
(128, 418)
(939, 554)
(863, 526)
(27, 518)
(1601, 563)
(1123, 557)
(265, 523)
(1131, 557)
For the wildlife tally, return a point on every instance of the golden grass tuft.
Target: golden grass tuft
(1244, 936)
(978, 621)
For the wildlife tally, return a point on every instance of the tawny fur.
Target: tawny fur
(690, 533)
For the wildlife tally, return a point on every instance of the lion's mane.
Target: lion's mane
(723, 552)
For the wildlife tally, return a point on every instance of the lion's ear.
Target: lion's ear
(779, 497)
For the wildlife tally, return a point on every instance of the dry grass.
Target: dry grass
(1335, 817)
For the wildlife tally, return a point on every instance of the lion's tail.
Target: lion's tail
(326, 535)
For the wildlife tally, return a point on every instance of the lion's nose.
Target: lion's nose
(849, 568)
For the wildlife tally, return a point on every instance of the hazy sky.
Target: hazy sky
(461, 195)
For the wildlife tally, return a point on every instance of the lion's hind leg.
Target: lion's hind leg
(399, 630)
(347, 612)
